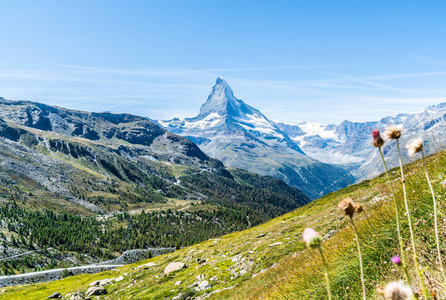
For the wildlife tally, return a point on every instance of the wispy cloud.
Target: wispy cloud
(428, 60)
(164, 93)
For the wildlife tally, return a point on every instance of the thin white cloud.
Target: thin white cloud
(163, 93)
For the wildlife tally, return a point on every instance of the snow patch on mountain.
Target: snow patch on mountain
(211, 120)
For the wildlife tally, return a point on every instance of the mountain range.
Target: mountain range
(318, 158)
(241, 136)
(349, 143)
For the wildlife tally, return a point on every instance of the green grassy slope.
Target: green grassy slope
(270, 261)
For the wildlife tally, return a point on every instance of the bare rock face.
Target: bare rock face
(174, 266)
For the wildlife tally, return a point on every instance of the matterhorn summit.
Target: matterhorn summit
(221, 101)
(241, 136)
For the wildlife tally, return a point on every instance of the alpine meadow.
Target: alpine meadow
(239, 150)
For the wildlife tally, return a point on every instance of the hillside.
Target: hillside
(89, 186)
(270, 261)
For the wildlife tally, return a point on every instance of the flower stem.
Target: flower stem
(327, 279)
(412, 238)
(435, 216)
(403, 255)
(360, 260)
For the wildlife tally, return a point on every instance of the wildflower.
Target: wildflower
(443, 184)
(347, 206)
(312, 238)
(397, 290)
(393, 132)
(414, 146)
(396, 260)
(377, 139)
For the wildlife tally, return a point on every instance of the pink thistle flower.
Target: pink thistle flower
(377, 139)
(396, 260)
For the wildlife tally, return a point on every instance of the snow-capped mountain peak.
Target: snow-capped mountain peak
(241, 136)
(220, 101)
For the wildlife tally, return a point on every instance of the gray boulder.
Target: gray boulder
(96, 290)
(174, 266)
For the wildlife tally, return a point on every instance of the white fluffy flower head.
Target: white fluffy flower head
(393, 132)
(397, 290)
(312, 238)
(414, 146)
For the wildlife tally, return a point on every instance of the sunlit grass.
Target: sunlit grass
(289, 270)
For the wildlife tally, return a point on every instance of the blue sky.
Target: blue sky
(319, 61)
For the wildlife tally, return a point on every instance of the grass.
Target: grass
(276, 255)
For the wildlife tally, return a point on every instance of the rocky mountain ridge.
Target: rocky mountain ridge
(349, 143)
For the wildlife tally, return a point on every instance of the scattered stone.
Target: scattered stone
(200, 277)
(178, 283)
(237, 258)
(275, 244)
(261, 235)
(96, 290)
(174, 266)
(95, 283)
(178, 297)
(261, 271)
(215, 278)
(204, 285)
(330, 234)
(55, 295)
(146, 266)
(78, 295)
(103, 282)
(118, 279)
